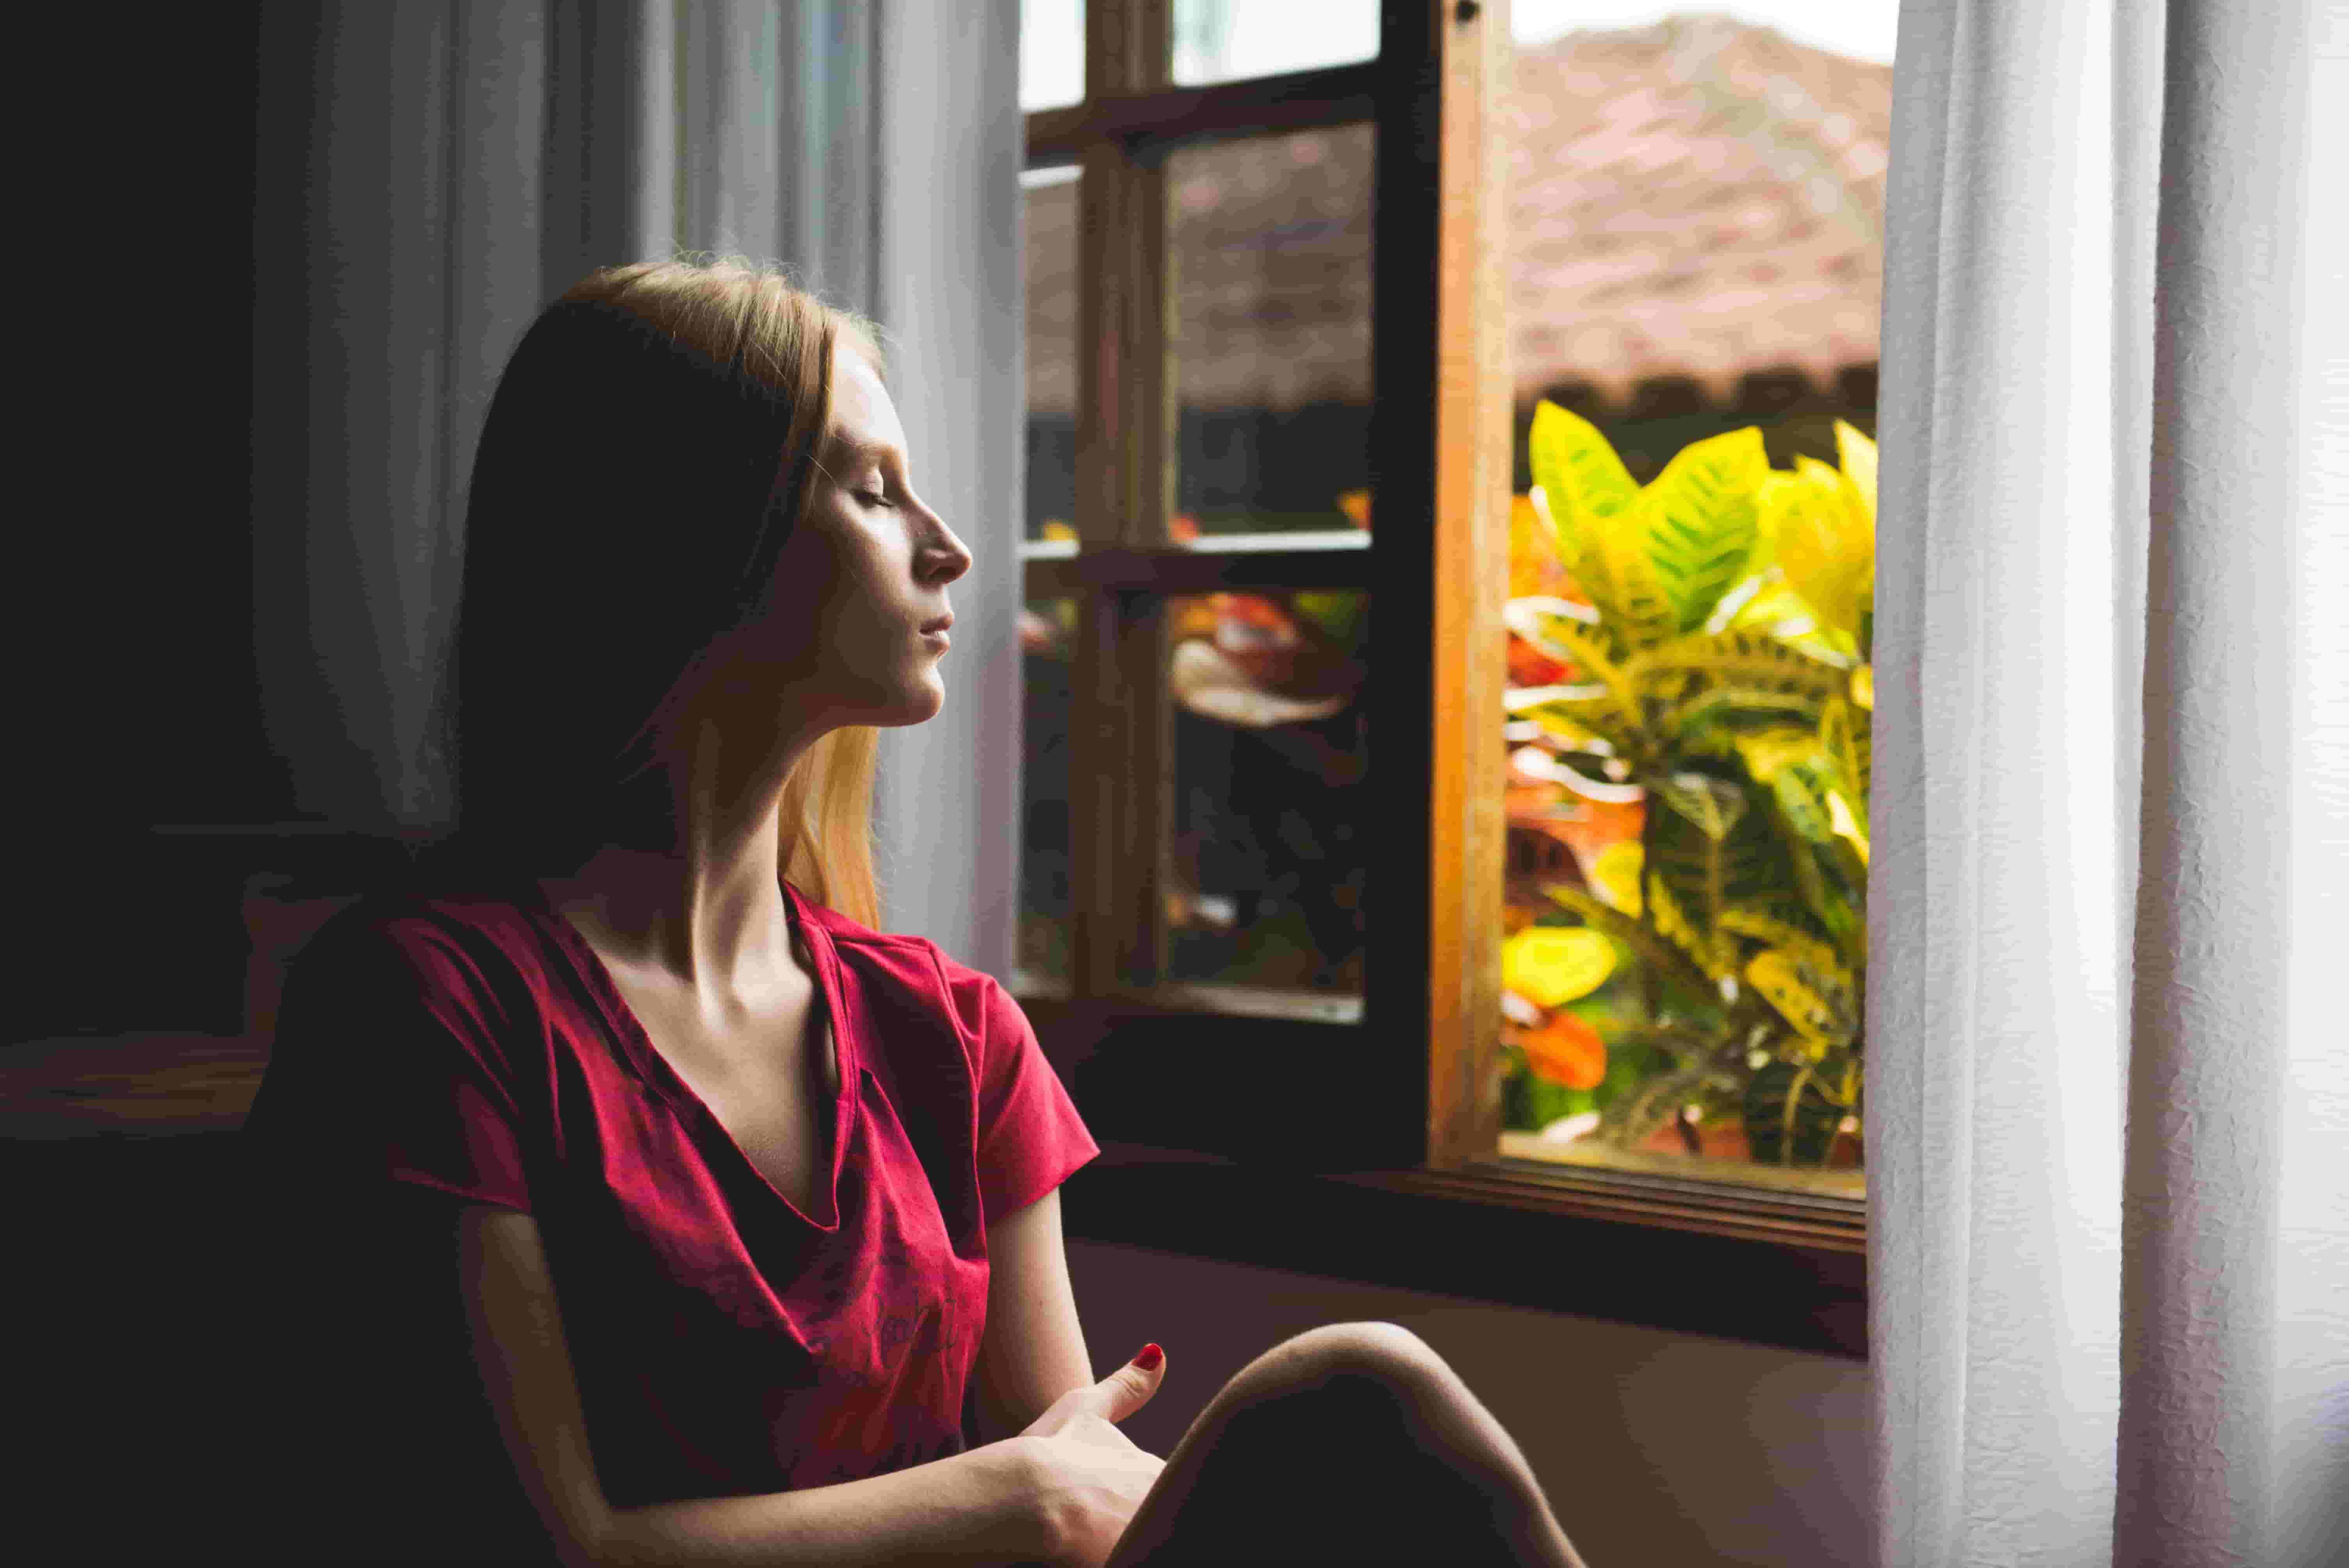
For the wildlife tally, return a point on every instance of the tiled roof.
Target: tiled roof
(1697, 197)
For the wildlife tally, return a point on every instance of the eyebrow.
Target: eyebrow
(856, 448)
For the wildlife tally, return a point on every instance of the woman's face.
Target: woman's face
(856, 585)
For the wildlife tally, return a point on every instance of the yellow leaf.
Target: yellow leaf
(1615, 875)
(1840, 817)
(1550, 965)
(1824, 544)
(1856, 453)
(1778, 978)
(1863, 686)
(1768, 750)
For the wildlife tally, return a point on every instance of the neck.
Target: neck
(708, 914)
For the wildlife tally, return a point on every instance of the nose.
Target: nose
(947, 556)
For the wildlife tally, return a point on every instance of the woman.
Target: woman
(688, 1214)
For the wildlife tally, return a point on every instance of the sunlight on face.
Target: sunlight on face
(869, 570)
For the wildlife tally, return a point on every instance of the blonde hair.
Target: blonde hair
(648, 450)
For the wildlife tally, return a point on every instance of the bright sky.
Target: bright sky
(1269, 37)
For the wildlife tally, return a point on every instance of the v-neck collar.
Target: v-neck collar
(655, 1070)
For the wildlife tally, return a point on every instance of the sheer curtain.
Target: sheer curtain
(431, 175)
(2109, 1074)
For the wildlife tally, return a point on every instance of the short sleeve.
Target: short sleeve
(389, 1065)
(1030, 1137)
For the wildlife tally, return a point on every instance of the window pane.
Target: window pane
(1052, 203)
(1695, 279)
(1048, 636)
(1225, 40)
(1052, 53)
(1266, 901)
(1271, 334)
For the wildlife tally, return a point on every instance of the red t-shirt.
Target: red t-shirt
(726, 1343)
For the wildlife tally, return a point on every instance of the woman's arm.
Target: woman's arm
(1033, 1349)
(980, 1508)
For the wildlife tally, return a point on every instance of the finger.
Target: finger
(1129, 1388)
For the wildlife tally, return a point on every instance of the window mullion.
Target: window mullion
(1120, 744)
(1468, 827)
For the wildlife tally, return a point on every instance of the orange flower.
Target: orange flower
(1356, 505)
(1565, 1051)
(1182, 529)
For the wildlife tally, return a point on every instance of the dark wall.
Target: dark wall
(139, 691)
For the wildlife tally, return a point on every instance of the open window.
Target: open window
(1503, 386)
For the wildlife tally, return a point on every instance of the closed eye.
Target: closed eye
(875, 498)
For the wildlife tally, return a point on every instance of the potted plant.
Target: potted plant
(1711, 664)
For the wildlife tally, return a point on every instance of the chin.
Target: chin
(919, 705)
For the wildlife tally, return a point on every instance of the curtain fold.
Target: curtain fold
(431, 175)
(951, 287)
(2111, 802)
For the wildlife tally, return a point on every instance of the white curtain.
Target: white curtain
(952, 287)
(2108, 1074)
(432, 174)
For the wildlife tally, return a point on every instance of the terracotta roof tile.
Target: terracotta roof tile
(1698, 198)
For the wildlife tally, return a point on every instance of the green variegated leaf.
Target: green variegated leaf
(1752, 661)
(1616, 708)
(1812, 991)
(1704, 849)
(1664, 956)
(1804, 803)
(1621, 578)
(1714, 805)
(1631, 1120)
(1779, 923)
(1788, 1120)
(1766, 751)
(1731, 710)
(1796, 1004)
(1569, 724)
(1664, 911)
(1539, 621)
(1582, 482)
(1844, 735)
(1700, 521)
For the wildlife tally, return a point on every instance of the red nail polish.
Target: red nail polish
(1150, 1358)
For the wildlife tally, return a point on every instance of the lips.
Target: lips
(940, 624)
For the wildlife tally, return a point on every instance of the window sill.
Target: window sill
(1733, 1264)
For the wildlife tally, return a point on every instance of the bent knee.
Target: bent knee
(1385, 1352)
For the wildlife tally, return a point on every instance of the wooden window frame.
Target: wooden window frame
(1291, 1140)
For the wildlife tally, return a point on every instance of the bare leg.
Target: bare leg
(1353, 1442)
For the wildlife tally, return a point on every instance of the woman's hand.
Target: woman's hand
(1093, 1479)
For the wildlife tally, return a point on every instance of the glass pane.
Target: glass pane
(1225, 40)
(1051, 201)
(1266, 896)
(1270, 334)
(1694, 280)
(1052, 53)
(1047, 634)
